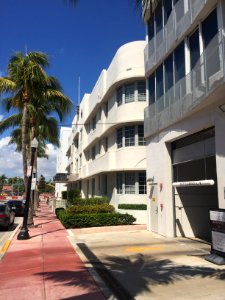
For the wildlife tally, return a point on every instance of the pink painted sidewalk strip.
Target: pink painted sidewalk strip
(45, 267)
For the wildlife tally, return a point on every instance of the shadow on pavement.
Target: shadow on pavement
(140, 273)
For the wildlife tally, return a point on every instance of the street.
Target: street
(5, 235)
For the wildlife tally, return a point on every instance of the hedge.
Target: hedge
(133, 206)
(94, 220)
(64, 194)
(57, 211)
(91, 201)
(97, 208)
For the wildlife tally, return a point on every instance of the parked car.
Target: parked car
(7, 216)
(17, 206)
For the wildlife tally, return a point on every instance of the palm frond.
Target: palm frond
(12, 121)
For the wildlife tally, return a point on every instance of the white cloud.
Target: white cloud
(1, 117)
(47, 167)
(11, 161)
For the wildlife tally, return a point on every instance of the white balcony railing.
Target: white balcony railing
(190, 91)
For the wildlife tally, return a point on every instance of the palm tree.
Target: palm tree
(33, 93)
(36, 96)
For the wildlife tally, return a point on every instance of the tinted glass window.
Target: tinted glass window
(150, 29)
(151, 87)
(158, 19)
(194, 48)
(209, 28)
(167, 10)
(159, 82)
(168, 73)
(179, 62)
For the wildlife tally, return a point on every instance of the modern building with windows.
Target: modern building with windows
(107, 153)
(185, 118)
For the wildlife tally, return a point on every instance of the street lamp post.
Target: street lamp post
(24, 235)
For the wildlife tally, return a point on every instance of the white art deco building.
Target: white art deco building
(107, 153)
(184, 122)
(62, 162)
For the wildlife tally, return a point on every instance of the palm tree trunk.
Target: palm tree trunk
(24, 150)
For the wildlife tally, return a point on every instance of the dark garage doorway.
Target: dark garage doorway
(194, 160)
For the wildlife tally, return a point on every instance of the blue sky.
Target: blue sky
(80, 41)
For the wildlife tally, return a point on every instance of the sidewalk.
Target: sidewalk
(46, 266)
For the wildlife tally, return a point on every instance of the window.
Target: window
(80, 160)
(211, 47)
(119, 138)
(167, 10)
(129, 93)
(119, 183)
(93, 187)
(159, 82)
(150, 29)
(141, 140)
(209, 28)
(119, 96)
(151, 87)
(169, 73)
(93, 153)
(106, 109)
(141, 87)
(158, 19)
(93, 123)
(179, 62)
(142, 183)
(194, 48)
(106, 144)
(129, 136)
(129, 183)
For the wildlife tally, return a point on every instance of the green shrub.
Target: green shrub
(97, 208)
(64, 195)
(94, 220)
(133, 206)
(91, 201)
(73, 194)
(58, 210)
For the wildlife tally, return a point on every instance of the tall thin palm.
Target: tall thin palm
(29, 87)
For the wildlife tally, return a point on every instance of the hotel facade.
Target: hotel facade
(107, 152)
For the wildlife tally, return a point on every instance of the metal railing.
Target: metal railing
(189, 91)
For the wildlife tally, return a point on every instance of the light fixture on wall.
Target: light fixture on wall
(222, 107)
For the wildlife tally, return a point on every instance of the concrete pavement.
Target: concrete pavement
(46, 266)
(137, 264)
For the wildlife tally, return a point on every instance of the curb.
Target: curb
(8, 242)
(90, 268)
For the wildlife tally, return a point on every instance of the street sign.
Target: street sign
(33, 183)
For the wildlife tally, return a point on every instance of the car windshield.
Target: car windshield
(14, 202)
